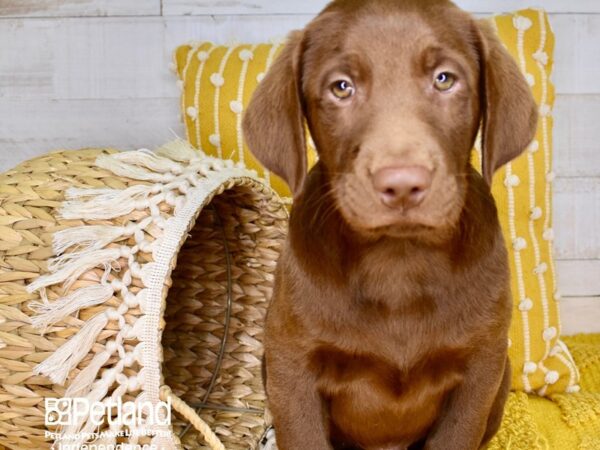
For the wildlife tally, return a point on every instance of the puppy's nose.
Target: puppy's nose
(402, 186)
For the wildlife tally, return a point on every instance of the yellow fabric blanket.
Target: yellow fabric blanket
(563, 422)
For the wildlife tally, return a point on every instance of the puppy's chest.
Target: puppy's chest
(368, 395)
(400, 329)
(392, 369)
(393, 347)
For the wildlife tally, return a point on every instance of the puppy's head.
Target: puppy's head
(393, 92)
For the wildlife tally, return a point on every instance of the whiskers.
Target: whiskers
(325, 203)
(341, 195)
(478, 191)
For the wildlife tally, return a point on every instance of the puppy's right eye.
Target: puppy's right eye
(444, 81)
(342, 89)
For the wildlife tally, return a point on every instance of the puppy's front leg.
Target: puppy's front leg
(474, 409)
(294, 402)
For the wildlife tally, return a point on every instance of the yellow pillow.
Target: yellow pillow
(218, 81)
(523, 193)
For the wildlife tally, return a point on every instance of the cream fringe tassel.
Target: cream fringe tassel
(68, 355)
(48, 314)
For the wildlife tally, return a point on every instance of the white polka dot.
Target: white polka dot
(529, 367)
(551, 377)
(555, 350)
(509, 342)
(541, 57)
(236, 106)
(541, 268)
(534, 146)
(215, 140)
(545, 110)
(512, 181)
(217, 80)
(549, 333)
(548, 234)
(191, 112)
(530, 79)
(202, 56)
(526, 305)
(522, 23)
(260, 77)
(536, 213)
(246, 55)
(519, 243)
(173, 67)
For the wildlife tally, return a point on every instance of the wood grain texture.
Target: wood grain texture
(86, 8)
(78, 8)
(116, 57)
(577, 67)
(577, 135)
(112, 57)
(84, 59)
(250, 7)
(577, 218)
(243, 7)
(231, 29)
(30, 128)
(552, 6)
(580, 315)
(579, 278)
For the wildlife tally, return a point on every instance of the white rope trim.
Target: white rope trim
(532, 204)
(180, 83)
(156, 272)
(218, 76)
(197, 93)
(246, 56)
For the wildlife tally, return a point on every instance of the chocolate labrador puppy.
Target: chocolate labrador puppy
(388, 323)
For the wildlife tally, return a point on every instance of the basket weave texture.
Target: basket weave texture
(173, 254)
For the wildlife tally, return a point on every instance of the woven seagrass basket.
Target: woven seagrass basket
(141, 277)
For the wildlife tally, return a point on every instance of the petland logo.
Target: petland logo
(65, 412)
(69, 411)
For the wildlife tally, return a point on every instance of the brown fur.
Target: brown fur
(388, 327)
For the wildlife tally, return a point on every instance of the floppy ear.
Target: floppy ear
(273, 122)
(509, 110)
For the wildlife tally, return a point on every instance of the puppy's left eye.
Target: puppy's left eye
(342, 89)
(444, 81)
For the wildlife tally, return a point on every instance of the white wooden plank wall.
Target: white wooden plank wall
(78, 8)
(80, 73)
